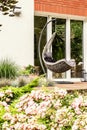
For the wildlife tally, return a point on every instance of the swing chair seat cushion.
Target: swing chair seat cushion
(60, 66)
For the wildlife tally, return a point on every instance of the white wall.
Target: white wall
(17, 35)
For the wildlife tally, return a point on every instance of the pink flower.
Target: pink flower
(75, 127)
(2, 94)
(7, 116)
(57, 104)
(61, 92)
(24, 97)
(17, 126)
(77, 102)
(8, 91)
(13, 120)
(4, 104)
(77, 111)
(86, 127)
(7, 109)
(8, 100)
(31, 110)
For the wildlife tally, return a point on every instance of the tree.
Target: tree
(76, 40)
(7, 6)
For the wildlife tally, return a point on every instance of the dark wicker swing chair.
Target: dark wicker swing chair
(59, 66)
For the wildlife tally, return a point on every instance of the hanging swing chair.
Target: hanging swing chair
(59, 66)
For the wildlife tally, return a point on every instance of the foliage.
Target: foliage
(28, 70)
(9, 97)
(76, 40)
(5, 82)
(20, 81)
(7, 6)
(46, 109)
(42, 109)
(18, 91)
(45, 82)
(59, 42)
(32, 84)
(8, 69)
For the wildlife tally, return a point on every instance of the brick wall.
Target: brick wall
(73, 7)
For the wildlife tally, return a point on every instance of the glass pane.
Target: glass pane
(76, 48)
(58, 46)
(39, 23)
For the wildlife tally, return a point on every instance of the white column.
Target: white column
(85, 47)
(68, 47)
(49, 34)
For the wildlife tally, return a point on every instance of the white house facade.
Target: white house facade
(17, 35)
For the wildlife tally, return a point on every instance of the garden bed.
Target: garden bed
(44, 109)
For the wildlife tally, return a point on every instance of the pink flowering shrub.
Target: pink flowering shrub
(6, 95)
(46, 109)
(5, 99)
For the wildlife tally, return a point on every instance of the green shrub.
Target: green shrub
(19, 91)
(27, 88)
(19, 81)
(2, 112)
(13, 93)
(5, 82)
(47, 109)
(8, 69)
(29, 70)
(22, 81)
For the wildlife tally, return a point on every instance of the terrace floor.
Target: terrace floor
(71, 86)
